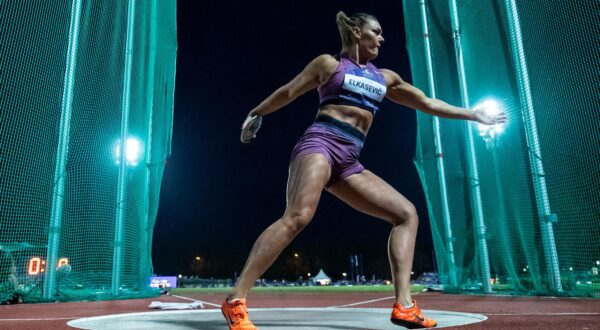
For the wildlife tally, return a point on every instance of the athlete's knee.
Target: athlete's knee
(407, 215)
(297, 219)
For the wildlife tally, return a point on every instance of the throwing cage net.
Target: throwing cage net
(513, 208)
(86, 101)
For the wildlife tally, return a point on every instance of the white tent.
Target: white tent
(321, 278)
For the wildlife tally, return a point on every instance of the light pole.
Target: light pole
(351, 266)
(296, 262)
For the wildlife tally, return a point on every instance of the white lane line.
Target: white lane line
(190, 299)
(43, 319)
(544, 314)
(362, 302)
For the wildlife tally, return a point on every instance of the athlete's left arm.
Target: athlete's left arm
(401, 92)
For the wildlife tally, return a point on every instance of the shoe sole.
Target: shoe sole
(409, 325)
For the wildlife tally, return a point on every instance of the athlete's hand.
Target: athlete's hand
(481, 115)
(250, 127)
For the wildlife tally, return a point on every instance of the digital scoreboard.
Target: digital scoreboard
(37, 265)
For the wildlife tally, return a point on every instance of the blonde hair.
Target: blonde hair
(346, 24)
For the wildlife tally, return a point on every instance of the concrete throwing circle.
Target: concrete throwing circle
(268, 319)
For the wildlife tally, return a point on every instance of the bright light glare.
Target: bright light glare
(489, 132)
(133, 149)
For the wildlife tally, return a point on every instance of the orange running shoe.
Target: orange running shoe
(236, 314)
(411, 318)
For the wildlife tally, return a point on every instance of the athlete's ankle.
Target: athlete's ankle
(405, 303)
(234, 296)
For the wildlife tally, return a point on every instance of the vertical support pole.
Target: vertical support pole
(144, 253)
(480, 228)
(439, 153)
(122, 187)
(62, 153)
(533, 144)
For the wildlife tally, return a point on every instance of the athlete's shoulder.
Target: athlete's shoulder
(324, 65)
(391, 77)
(326, 60)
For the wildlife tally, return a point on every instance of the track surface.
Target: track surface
(503, 312)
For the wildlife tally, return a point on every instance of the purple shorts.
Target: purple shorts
(338, 141)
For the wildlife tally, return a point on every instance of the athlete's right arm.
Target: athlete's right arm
(316, 72)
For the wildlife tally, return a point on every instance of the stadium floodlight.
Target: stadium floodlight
(133, 152)
(489, 132)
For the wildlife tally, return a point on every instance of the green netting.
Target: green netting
(539, 193)
(76, 79)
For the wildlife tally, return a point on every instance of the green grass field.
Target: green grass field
(301, 289)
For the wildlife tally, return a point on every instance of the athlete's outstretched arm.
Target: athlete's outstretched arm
(406, 94)
(312, 75)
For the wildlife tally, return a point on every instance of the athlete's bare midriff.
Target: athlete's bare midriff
(355, 116)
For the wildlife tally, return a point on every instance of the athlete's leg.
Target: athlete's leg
(308, 176)
(370, 194)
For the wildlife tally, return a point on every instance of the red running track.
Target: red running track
(503, 312)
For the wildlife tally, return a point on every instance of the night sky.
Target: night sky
(218, 194)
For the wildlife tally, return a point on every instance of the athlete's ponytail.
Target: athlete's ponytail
(346, 24)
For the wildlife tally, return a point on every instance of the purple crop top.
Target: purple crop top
(351, 84)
